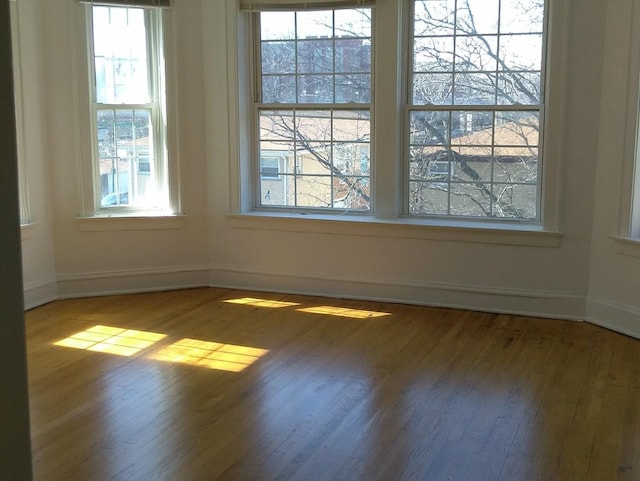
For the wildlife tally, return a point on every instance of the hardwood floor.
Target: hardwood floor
(188, 386)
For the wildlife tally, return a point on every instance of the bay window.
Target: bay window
(434, 112)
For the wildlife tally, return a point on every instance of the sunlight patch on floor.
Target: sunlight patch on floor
(254, 301)
(212, 355)
(344, 312)
(111, 340)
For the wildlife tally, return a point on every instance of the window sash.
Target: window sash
(433, 195)
(157, 185)
(322, 185)
(275, 5)
(128, 3)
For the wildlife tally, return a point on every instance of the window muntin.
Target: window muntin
(128, 108)
(476, 104)
(314, 108)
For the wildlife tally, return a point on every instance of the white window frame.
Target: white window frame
(633, 171)
(330, 107)
(162, 58)
(494, 109)
(388, 177)
(629, 220)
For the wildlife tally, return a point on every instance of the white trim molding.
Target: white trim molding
(614, 315)
(38, 293)
(403, 228)
(131, 281)
(527, 302)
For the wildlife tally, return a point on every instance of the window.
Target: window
(128, 110)
(313, 108)
(476, 108)
(455, 95)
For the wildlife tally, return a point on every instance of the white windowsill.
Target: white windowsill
(627, 245)
(103, 223)
(405, 228)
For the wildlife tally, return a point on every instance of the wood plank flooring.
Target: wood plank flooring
(214, 384)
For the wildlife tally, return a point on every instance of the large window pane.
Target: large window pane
(475, 108)
(125, 157)
(120, 55)
(324, 154)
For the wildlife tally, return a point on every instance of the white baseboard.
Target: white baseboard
(537, 303)
(615, 316)
(534, 303)
(131, 281)
(39, 293)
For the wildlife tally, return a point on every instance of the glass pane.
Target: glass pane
(518, 201)
(429, 128)
(428, 198)
(350, 158)
(516, 164)
(314, 125)
(278, 88)
(277, 125)
(477, 16)
(315, 88)
(472, 127)
(517, 128)
(433, 54)
(314, 191)
(476, 53)
(519, 88)
(521, 52)
(351, 193)
(313, 158)
(315, 56)
(106, 133)
(471, 200)
(277, 25)
(354, 88)
(435, 89)
(278, 155)
(472, 164)
(314, 24)
(353, 55)
(434, 17)
(474, 89)
(278, 57)
(352, 125)
(430, 163)
(120, 55)
(353, 23)
(521, 16)
(277, 190)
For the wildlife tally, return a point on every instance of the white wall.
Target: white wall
(213, 245)
(110, 256)
(37, 245)
(425, 265)
(614, 297)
